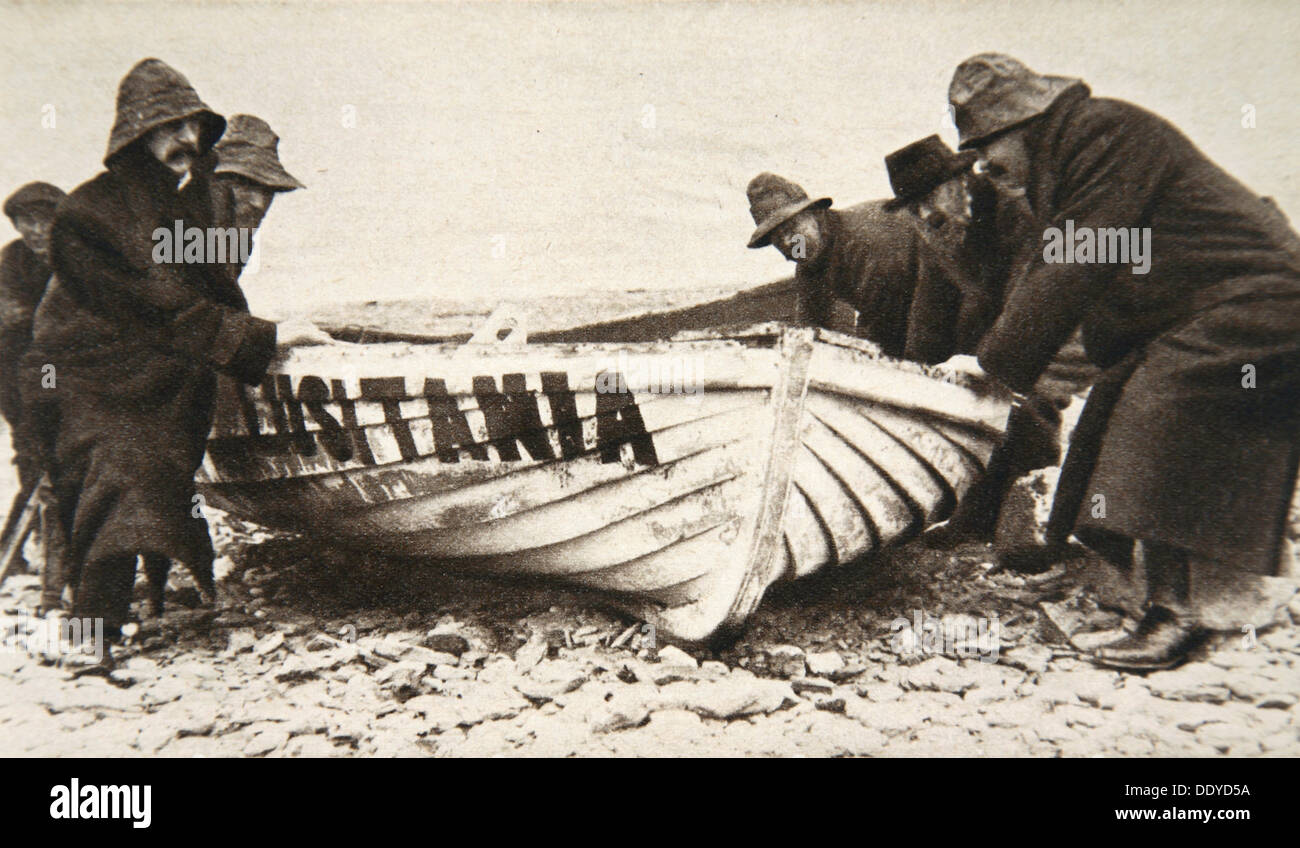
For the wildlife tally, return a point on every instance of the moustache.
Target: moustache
(186, 150)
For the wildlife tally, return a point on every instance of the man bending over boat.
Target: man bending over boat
(135, 344)
(1187, 287)
(871, 255)
(981, 231)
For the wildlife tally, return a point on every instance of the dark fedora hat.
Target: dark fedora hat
(250, 148)
(922, 166)
(774, 200)
(32, 196)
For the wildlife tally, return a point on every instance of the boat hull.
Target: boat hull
(681, 478)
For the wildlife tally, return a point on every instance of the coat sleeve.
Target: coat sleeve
(15, 313)
(1110, 169)
(84, 247)
(813, 301)
(932, 316)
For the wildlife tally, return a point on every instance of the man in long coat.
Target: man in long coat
(976, 230)
(136, 344)
(24, 275)
(231, 188)
(1188, 443)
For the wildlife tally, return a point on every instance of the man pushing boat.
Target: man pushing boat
(871, 256)
(24, 277)
(981, 231)
(1187, 287)
(135, 345)
(925, 271)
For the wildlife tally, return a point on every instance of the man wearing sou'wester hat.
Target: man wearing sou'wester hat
(1196, 464)
(136, 344)
(237, 181)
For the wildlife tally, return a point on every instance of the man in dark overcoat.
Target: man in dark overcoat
(977, 230)
(871, 256)
(1188, 444)
(135, 344)
(24, 275)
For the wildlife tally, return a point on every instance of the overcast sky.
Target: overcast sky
(515, 150)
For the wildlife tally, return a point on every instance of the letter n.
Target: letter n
(451, 431)
(564, 412)
(512, 416)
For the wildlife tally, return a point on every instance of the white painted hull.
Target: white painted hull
(799, 449)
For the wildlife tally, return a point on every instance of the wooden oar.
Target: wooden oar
(13, 546)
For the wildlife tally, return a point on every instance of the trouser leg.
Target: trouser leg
(203, 579)
(54, 574)
(104, 591)
(1168, 572)
(156, 569)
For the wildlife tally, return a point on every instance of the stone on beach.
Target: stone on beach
(824, 663)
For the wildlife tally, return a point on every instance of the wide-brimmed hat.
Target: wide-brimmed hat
(992, 93)
(31, 196)
(251, 149)
(152, 94)
(922, 166)
(774, 200)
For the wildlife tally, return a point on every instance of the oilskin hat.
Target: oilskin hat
(251, 149)
(992, 93)
(152, 94)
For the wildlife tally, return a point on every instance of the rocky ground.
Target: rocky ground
(319, 653)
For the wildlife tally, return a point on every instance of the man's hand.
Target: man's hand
(296, 331)
(963, 363)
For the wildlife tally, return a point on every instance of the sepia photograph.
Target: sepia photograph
(644, 379)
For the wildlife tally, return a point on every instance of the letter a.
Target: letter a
(1054, 250)
(162, 249)
(1085, 246)
(194, 246)
(59, 809)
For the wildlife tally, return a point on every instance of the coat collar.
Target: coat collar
(1044, 140)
